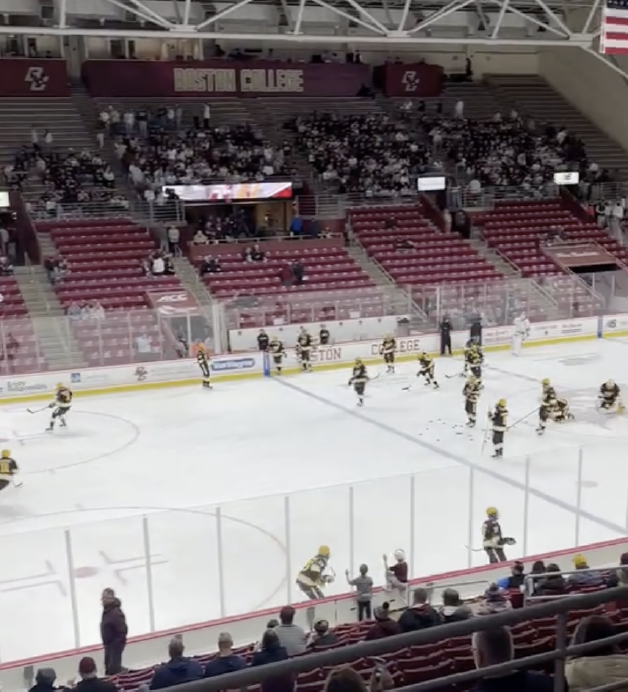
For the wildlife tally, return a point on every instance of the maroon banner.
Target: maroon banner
(222, 78)
(414, 81)
(26, 77)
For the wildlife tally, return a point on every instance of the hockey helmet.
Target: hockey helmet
(545, 382)
(59, 386)
(358, 361)
(502, 403)
(399, 554)
(6, 453)
(609, 384)
(492, 512)
(323, 551)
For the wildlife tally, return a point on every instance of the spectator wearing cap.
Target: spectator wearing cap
(584, 576)
(292, 637)
(601, 666)
(178, 670)
(420, 615)
(495, 601)
(384, 625)
(495, 646)
(90, 682)
(226, 661)
(321, 637)
(113, 631)
(45, 681)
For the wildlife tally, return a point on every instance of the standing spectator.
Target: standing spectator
(323, 335)
(397, 574)
(384, 625)
(495, 646)
(262, 340)
(44, 681)
(296, 227)
(48, 140)
(90, 682)
(206, 116)
(4, 241)
(272, 652)
(291, 637)
(420, 615)
(298, 271)
(113, 631)
(178, 670)
(364, 588)
(601, 666)
(174, 237)
(445, 336)
(226, 661)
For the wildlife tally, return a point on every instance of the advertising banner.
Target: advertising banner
(579, 256)
(222, 77)
(237, 191)
(418, 80)
(174, 303)
(26, 77)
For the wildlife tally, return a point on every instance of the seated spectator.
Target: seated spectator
(247, 254)
(298, 270)
(601, 666)
(286, 276)
(272, 652)
(495, 646)
(344, 679)
(226, 661)
(453, 609)
(321, 637)
(169, 268)
(74, 311)
(384, 625)
(45, 681)
(6, 268)
(404, 244)
(420, 615)
(584, 576)
(620, 576)
(516, 579)
(495, 601)
(158, 264)
(257, 255)
(200, 238)
(178, 670)
(89, 680)
(210, 265)
(553, 584)
(291, 637)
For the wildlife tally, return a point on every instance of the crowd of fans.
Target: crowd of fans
(370, 154)
(85, 311)
(158, 263)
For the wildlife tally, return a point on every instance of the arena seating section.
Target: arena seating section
(103, 258)
(17, 329)
(328, 269)
(413, 665)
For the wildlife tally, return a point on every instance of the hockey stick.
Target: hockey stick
(15, 483)
(474, 550)
(534, 410)
(37, 410)
(488, 422)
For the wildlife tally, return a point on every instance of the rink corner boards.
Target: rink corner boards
(233, 367)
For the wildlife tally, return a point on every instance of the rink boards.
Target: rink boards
(156, 375)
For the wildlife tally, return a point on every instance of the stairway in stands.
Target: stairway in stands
(531, 95)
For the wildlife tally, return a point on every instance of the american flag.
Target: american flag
(614, 37)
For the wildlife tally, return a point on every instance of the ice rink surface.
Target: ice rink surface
(231, 491)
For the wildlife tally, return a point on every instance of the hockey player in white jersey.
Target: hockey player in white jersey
(521, 330)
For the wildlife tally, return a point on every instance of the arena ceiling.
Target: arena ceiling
(353, 23)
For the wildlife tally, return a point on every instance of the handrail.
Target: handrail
(346, 654)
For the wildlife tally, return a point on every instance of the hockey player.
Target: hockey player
(521, 331)
(499, 423)
(202, 358)
(387, 349)
(359, 378)
(304, 350)
(552, 407)
(609, 397)
(312, 577)
(474, 357)
(277, 353)
(492, 539)
(8, 468)
(471, 394)
(61, 406)
(427, 369)
(467, 350)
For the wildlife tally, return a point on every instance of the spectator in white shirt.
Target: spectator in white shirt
(206, 116)
(459, 109)
(159, 266)
(48, 139)
(200, 238)
(143, 344)
(129, 122)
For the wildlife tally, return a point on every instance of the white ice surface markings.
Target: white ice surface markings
(396, 474)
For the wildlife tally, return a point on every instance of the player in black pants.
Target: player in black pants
(445, 336)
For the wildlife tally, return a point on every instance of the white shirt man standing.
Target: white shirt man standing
(521, 331)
